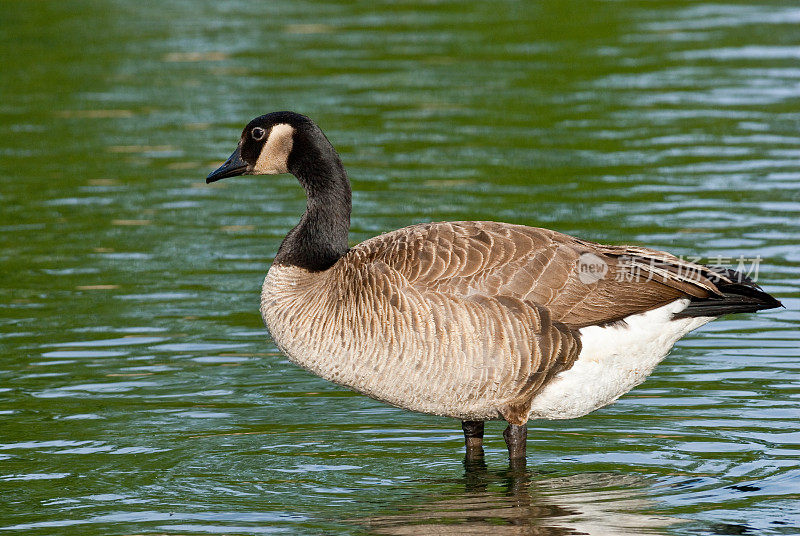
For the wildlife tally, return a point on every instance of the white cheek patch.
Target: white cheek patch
(274, 157)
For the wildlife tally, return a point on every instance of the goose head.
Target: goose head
(288, 142)
(264, 148)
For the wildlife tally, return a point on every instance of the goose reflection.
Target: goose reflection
(518, 501)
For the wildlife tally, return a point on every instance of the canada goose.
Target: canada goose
(471, 320)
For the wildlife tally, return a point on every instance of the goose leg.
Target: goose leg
(473, 439)
(516, 437)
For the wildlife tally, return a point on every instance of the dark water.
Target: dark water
(139, 392)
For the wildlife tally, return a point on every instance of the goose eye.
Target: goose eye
(258, 133)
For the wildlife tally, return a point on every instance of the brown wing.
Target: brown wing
(580, 283)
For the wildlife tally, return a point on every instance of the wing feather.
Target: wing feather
(541, 266)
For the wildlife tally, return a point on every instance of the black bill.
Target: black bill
(232, 167)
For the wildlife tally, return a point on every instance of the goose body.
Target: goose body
(470, 320)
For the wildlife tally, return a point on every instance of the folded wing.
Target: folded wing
(580, 283)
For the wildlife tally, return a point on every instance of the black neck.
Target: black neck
(320, 239)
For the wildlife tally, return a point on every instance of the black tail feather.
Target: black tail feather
(741, 295)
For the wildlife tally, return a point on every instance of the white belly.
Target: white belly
(613, 360)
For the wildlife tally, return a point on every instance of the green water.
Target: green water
(139, 392)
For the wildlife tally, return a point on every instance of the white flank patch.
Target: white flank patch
(613, 360)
